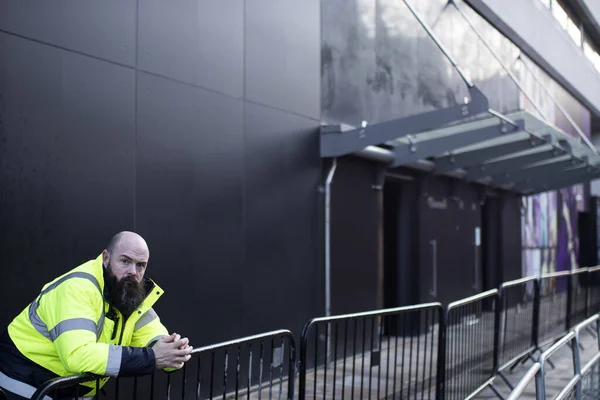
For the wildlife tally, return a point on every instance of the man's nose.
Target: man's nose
(132, 270)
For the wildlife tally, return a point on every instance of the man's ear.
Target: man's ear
(105, 258)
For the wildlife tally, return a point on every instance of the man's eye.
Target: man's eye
(125, 261)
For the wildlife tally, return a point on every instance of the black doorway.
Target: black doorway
(400, 215)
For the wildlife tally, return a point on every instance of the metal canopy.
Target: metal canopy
(340, 140)
(514, 163)
(569, 178)
(537, 158)
(516, 151)
(475, 155)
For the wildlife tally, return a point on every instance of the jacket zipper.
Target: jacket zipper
(122, 330)
(120, 321)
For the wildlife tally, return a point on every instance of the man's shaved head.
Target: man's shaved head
(131, 239)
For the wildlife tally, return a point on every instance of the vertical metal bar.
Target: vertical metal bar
(326, 361)
(403, 353)
(570, 295)
(328, 181)
(271, 368)
(380, 329)
(168, 387)
(433, 320)
(282, 347)
(237, 370)
(478, 326)
(576, 363)
(335, 347)
(303, 361)
(470, 312)
(362, 370)
(397, 330)
(316, 364)
(465, 348)
(354, 356)
(250, 359)
(291, 368)
(371, 353)
(497, 315)
(117, 388)
(442, 360)
(226, 367)
(260, 370)
(152, 382)
(183, 383)
(212, 373)
(344, 362)
(426, 311)
(417, 356)
(410, 357)
(536, 312)
(540, 384)
(198, 380)
(135, 384)
(97, 394)
(389, 356)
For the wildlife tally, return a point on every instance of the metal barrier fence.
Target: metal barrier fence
(391, 352)
(260, 366)
(410, 352)
(578, 297)
(553, 307)
(584, 383)
(517, 323)
(470, 346)
(569, 391)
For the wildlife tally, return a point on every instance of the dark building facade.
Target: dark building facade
(194, 124)
(197, 125)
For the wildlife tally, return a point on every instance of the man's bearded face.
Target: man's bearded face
(126, 293)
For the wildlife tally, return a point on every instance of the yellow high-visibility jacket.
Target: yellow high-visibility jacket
(70, 327)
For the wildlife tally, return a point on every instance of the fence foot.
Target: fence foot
(591, 331)
(496, 392)
(505, 379)
(520, 361)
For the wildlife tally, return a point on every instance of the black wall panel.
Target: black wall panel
(67, 136)
(197, 42)
(101, 28)
(282, 55)
(281, 168)
(189, 203)
(354, 211)
(224, 190)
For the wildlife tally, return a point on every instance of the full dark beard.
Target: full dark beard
(127, 294)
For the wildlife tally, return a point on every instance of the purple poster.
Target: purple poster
(549, 220)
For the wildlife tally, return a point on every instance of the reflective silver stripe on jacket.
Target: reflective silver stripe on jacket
(76, 323)
(17, 387)
(71, 325)
(115, 353)
(145, 319)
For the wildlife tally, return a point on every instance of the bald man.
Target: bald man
(96, 318)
